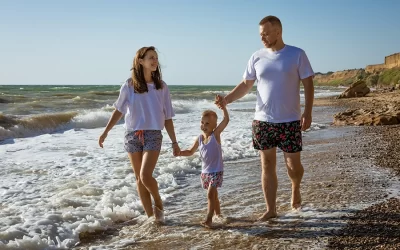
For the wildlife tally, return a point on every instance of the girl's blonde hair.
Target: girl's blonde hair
(208, 113)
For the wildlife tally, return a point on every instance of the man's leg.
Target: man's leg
(269, 181)
(295, 171)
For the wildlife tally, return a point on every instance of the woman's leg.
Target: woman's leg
(149, 161)
(144, 194)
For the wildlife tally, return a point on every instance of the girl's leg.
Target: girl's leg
(211, 205)
(149, 161)
(217, 208)
(144, 194)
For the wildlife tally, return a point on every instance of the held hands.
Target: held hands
(305, 121)
(220, 101)
(101, 139)
(176, 150)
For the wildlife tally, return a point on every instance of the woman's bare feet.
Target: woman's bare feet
(159, 215)
(267, 215)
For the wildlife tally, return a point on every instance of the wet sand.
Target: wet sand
(339, 181)
(378, 226)
(350, 194)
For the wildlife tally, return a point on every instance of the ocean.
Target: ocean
(57, 183)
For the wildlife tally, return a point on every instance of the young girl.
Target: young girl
(145, 101)
(209, 145)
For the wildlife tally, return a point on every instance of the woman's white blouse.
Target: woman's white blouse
(146, 111)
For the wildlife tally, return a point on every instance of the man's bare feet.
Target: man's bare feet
(159, 215)
(206, 223)
(296, 206)
(296, 199)
(267, 215)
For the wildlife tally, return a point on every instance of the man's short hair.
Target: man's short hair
(209, 113)
(272, 20)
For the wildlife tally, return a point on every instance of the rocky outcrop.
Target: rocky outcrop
(357, 89)
(365, 117)
(370, 115)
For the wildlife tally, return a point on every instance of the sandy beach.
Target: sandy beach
(67, 106)
(350, 197)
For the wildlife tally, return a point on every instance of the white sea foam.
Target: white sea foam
(60, 183)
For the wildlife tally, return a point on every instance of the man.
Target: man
(278, 122)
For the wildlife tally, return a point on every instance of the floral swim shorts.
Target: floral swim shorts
(142, 140)
(211, 179)
(286, 136)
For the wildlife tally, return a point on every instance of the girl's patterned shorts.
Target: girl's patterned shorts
(211, 179)
(286, 136)
(144, 141)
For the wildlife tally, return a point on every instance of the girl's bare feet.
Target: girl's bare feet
(267, 215)
(206, 223)
(219, 217)
(159, 215)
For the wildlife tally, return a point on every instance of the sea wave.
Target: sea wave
(105, 93)
(209, 95)
(33, 125)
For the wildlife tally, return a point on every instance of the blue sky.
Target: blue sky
(200, 42)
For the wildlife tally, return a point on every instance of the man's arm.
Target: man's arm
(239, 91)
(308, 104)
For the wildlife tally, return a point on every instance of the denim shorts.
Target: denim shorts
(143, 140)
(286, 136)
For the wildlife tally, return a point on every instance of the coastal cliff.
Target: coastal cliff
(344, 77)
(386, 74)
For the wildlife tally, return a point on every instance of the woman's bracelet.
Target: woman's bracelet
(174, 143)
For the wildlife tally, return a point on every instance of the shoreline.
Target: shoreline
(378, 226)
(347, 196)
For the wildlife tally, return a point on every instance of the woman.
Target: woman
(145, 101)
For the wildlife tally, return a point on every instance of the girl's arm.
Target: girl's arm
(218, 130)
(190, 151)
(169, 126)
(115, 117)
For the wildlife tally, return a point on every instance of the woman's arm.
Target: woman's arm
(115, 117)
(169, 126)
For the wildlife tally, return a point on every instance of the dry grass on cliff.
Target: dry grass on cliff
(387, 77)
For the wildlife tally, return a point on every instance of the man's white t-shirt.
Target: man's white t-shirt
(144, 111)
(278, 75)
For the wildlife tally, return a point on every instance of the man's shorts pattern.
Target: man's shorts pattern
(286, 136)
(152, 141)
(211, 179)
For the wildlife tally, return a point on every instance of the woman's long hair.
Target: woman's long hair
(138, 81)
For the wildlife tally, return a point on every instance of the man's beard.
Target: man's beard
(270, 45)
